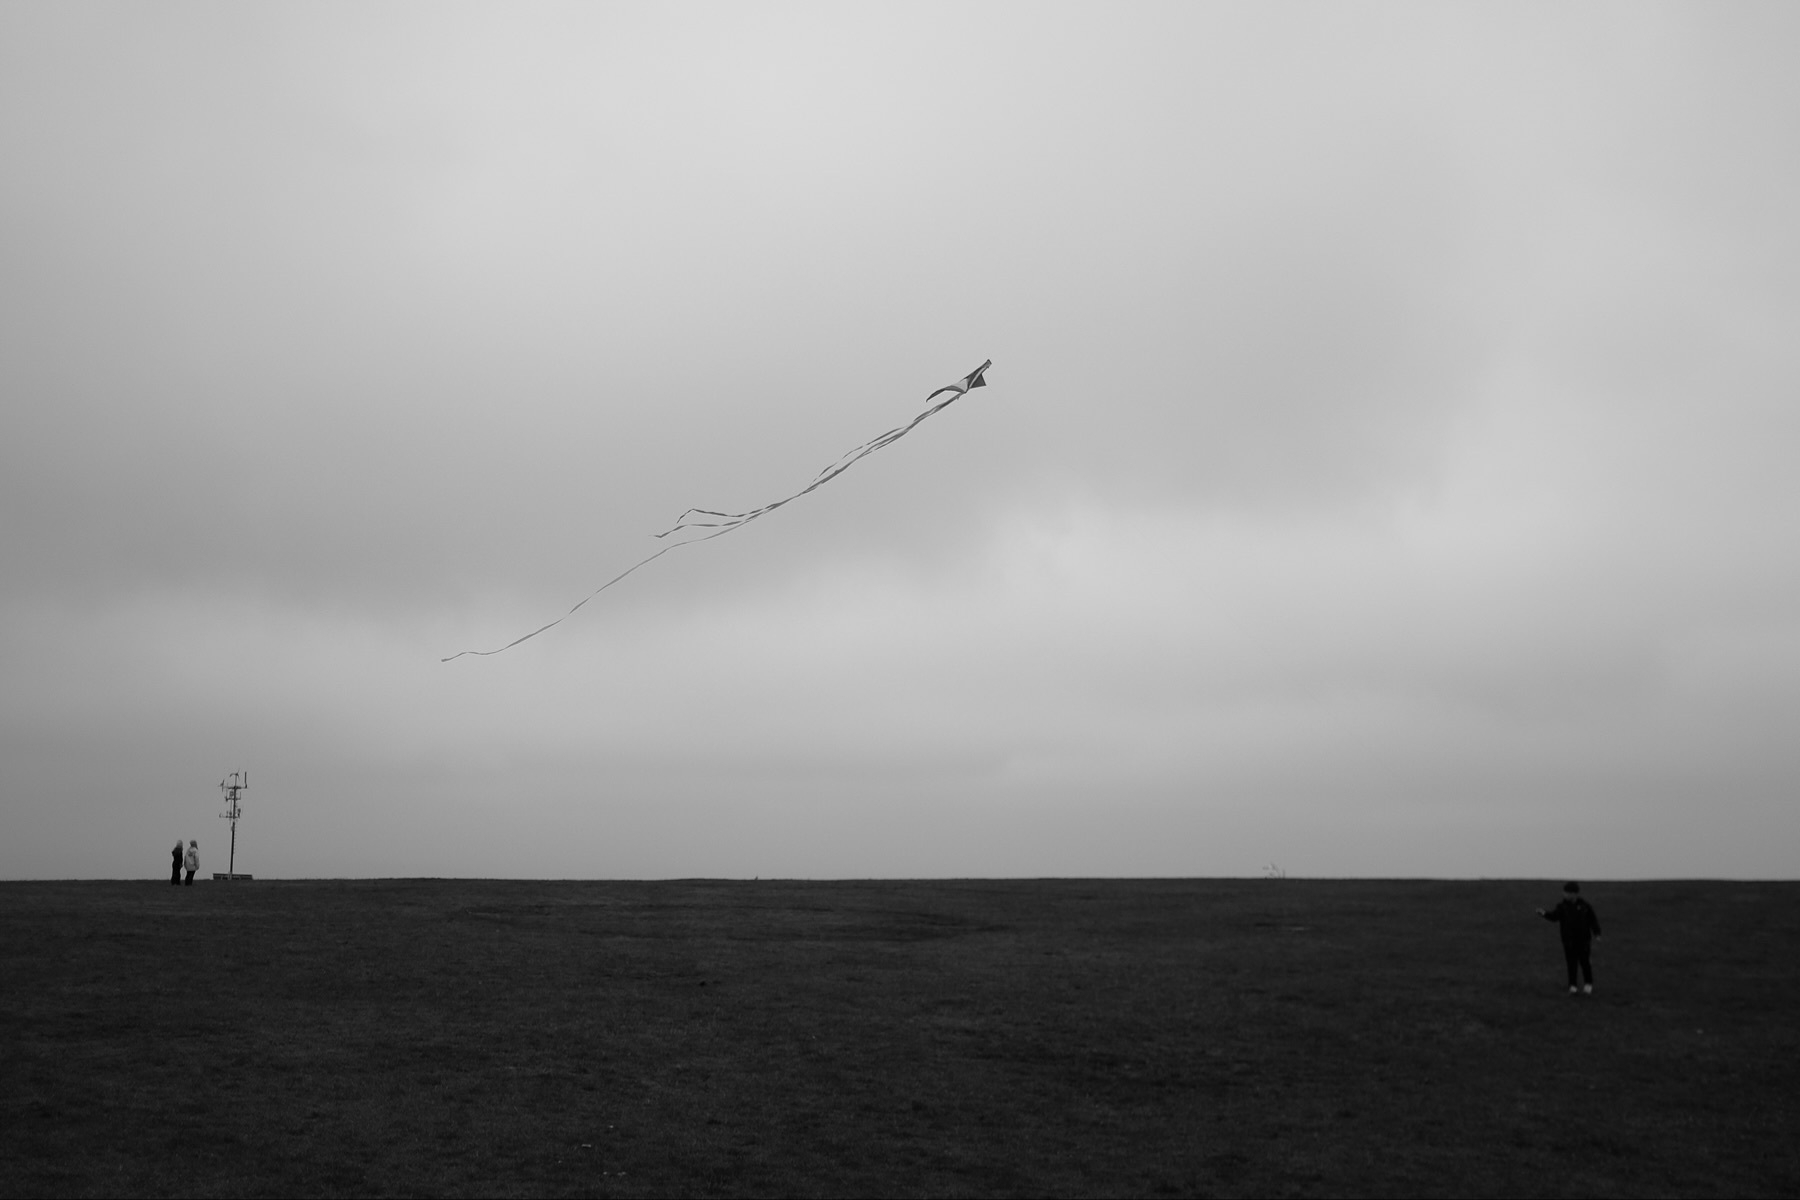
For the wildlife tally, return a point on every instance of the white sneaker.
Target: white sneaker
(1571, 989)
(1587, 989)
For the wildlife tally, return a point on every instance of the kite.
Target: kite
(722, 523)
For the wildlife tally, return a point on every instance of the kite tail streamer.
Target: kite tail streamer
(728, 521)
(843, 462)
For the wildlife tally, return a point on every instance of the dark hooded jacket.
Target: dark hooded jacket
(1575, 921)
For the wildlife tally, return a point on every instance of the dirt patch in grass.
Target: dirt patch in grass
(1068, 1037)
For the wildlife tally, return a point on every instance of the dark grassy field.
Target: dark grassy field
(913, 1038)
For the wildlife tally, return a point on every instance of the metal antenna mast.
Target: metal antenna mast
(233, 786)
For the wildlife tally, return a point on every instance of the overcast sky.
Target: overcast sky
(1387, 466)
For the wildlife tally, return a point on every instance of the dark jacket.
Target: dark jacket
(1575, 920)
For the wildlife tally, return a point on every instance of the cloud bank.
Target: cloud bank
(1384, 468)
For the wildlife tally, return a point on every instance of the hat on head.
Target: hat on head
(1573, 888)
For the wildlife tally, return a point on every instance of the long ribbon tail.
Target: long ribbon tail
(843, 462)
(727, 522)
(572, 611)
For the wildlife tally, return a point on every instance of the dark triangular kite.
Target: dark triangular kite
(724, 522)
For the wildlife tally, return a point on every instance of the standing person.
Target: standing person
(193, 861)
(175, 864)
(1578, 925)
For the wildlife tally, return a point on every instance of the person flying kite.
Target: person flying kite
(722, 523)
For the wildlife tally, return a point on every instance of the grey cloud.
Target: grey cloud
(1388, 419)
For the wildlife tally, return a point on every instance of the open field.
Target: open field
(911, 1038)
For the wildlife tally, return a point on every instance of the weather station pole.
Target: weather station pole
(233, 786)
